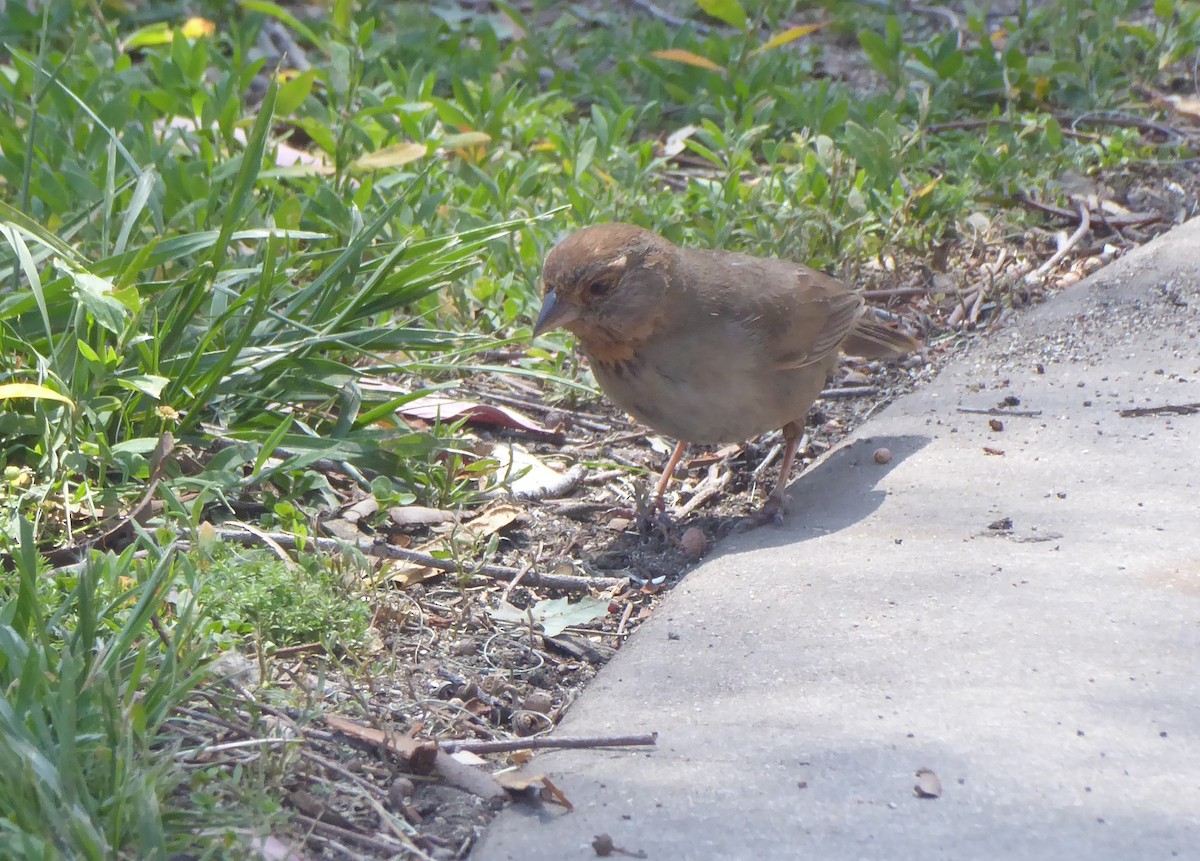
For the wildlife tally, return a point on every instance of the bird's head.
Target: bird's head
(607, 285)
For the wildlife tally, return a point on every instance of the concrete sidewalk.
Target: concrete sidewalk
(1048, 673)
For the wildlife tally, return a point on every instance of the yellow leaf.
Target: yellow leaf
(789, 35)
(926, 188)
(678, 55)
(465, 139)
(391, 156)
(34, 392)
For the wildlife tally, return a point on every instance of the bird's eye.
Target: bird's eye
(598, 288)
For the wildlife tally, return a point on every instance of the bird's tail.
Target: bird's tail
(871, 339)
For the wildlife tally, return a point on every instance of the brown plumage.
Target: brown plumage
(705, 346)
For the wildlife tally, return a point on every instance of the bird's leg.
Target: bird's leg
(792, 434)
(676, 455)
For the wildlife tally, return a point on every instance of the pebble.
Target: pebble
(694, 543)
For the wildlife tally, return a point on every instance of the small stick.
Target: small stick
(1164, 410)
(1085, 224)
(337, 832)
(999, 411)
(390, 551)
(625, 614)
(545, 742)
(849, 392)
(716, 479)
(893, 292)
(512, 584)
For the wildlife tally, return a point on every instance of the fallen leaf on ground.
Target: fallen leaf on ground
(526, 476)
(553, 615)
(434, 408)
(419, 752)
(419, 515)
(928, 785)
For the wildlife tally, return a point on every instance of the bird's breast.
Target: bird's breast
(713, 385)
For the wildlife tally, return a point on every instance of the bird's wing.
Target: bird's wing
(791, 315)
(813, 318)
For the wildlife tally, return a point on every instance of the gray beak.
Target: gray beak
(553, 315)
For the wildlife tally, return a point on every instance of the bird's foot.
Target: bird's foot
(773, 510)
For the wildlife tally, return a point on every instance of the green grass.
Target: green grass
(164, 270)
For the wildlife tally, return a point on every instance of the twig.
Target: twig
(625, 614)
(713, 482)
(391, 847)
(1085, 224)
(380, 550)
(512, 584)
(976, 306)
(1164, 410)
(969, 125)
(893, 292)
(342, 772)
(1112, 222)
(999, 411)
(843, 392)
(543, 742)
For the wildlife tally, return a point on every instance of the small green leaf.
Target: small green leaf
(729, 11)
(95, 295)
(1054, 135)
(293, 93)
(147, 384)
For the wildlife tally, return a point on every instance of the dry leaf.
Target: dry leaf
(553, 615)
(552, 793)
(676, 141)
(492, 519)
(419, 515)
(526, 476)
(343, 530)
(928, 785)
(467, 757)
(678, 55)
(434, 408)
(513, 780)
(419, 752)
(391, 156)
(1188, 106)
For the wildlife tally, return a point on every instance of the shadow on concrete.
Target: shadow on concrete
(840, 490)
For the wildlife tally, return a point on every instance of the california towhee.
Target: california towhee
(705, 346)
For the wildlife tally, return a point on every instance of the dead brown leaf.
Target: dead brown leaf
(419, 752)
(437, 408)
(928, 785)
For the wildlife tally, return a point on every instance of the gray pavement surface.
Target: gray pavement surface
(1049, 674)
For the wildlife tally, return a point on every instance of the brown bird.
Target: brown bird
(705, 346)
